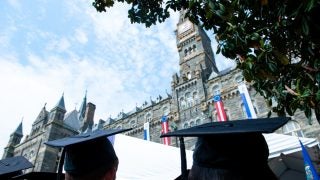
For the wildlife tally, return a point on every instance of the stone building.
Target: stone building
(188, 104)
(190, 101)
(48, 126)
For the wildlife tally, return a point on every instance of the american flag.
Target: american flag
(165, 129)
(218, 104)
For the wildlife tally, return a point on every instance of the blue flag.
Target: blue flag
(311, 173)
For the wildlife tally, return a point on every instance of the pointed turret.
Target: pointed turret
(82, 110)
(60, 104)
(15, 139)
(58, 112)
(18, 131)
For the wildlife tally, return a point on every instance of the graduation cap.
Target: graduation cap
(236, 145)
(13, 166)
(86, 152)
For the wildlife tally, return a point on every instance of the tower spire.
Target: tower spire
(60, 103)
(83, 106)
(19, 129)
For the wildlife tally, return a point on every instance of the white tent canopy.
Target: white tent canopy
(145, 160)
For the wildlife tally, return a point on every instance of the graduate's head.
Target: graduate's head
(231, 150)
(89, 156)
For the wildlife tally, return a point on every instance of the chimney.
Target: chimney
(88, 117)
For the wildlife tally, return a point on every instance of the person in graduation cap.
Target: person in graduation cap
(89, 156)
(232, 150)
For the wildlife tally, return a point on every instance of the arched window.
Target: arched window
(133, 124)
(189, 99)
(119, 127)
(194, 48)
(182, 103)
(216, 90)
(148, 117)
(191, 124)
(198, 122)
(292, 128)
(195, 97)
(185, 125)
(185, 52)
(189, 50)
(165, 110)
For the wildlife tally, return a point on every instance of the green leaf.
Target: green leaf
(318, 95)
(305, 26)
(308, 114)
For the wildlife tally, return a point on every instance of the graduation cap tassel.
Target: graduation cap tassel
(183, 158)
(61, 164)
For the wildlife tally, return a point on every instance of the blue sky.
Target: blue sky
(52, 47)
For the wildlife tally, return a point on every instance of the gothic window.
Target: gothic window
(195, 97)
(165, 110)
(148, 117)
(216, 90)
(185, 125)
(189, 50)
(194, 48)
(189, 99)
(185, 52)
(292, 128)
(182, 103)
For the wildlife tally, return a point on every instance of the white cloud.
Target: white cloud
(14, 3)
(81, 36)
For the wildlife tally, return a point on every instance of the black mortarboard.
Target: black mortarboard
(86, 152)
(12, 166)
(230, 145)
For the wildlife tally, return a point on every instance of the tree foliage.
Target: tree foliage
(275, 42)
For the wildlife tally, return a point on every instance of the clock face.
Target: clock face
(185, 26)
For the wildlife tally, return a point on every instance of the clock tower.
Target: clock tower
(197, 63)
